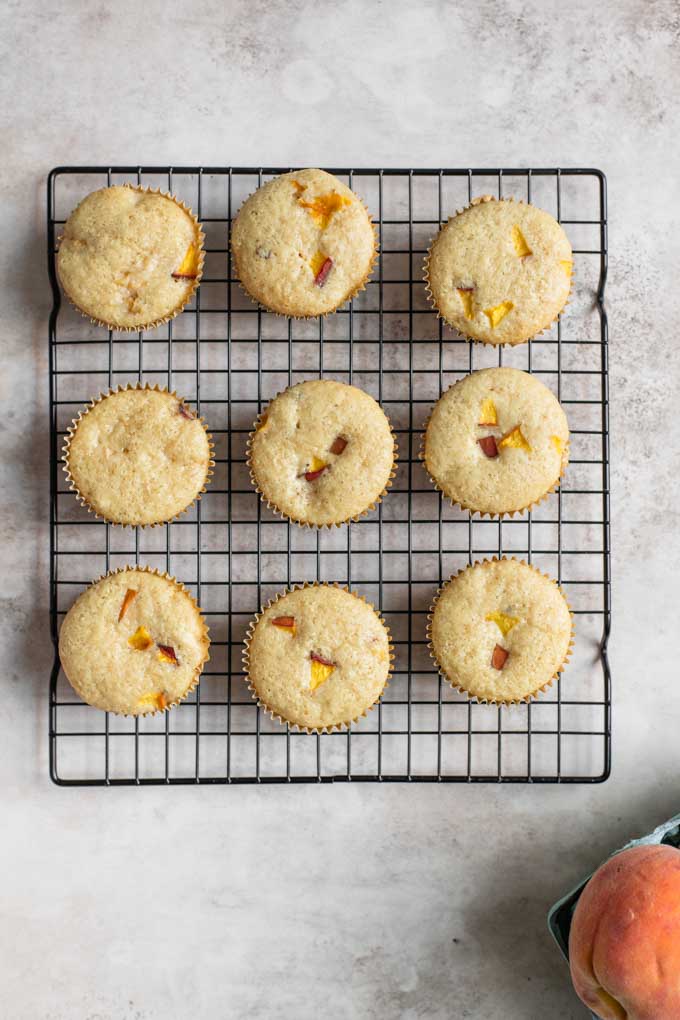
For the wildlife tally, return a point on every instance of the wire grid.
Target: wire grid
(229, 358)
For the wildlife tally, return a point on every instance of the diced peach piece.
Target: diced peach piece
(503, 621)
(558, 443)
(188, 269)
(320, 671)
(466, 295)
(130, 595)
(497, 314)
(140, 640)
(166, 653)
(499, 657)
(323, 207)
(338, 445)
(285, 623)
(514, 439)
(624, 943)
(522, 249)
(322, 275)
(316, 262)
(488, 445)
(567, 266)
(316, 468)
(488, 414)
(154, 700)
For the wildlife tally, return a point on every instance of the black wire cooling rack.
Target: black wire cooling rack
(229, 358)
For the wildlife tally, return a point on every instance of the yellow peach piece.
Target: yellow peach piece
(488, 414)
(320, 672)
(323, 207)
(316, 262)
(130, 595)
(466, 295)
(558, 443)
(188, 269)
(140, 640)
(504, 622)
(514, 439)
(567, 266)
(497, 314)
(522, 249)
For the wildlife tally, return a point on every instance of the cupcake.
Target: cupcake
(134, 642)
(317, 657)
(303, 244)
(500, 631)
(496, 442)
(138, 456)
(322, 453)
(130, 258)
(500, 271)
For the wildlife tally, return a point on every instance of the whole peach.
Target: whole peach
(624, 944)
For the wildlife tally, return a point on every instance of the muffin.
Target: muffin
(500, 631)
(130, 258)
(500, 271)
(138, 456)
(496, 442)
(322, 453)
(317, 657)
(303, 244)
(134, 642)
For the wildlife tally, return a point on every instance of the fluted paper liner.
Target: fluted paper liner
(146, 326)
(206, 632)
(480, 564)
(348, 297)
(257, 424)
(433, 302)
(71, 431)
(339, 727)
(490, 513)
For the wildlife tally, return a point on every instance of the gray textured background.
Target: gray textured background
(375, 902)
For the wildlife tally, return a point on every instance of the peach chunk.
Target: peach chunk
(323, 207)
(567, 266)
(188, 268)
(558, 443)
(624, 944)
(466, 295)
(514, 439)
(130, 595)
(488, 414)
(321, 669)
(522, 249)
(497, 314)
(285, 623)
(140, 640)
(166, 653)
(504, 622)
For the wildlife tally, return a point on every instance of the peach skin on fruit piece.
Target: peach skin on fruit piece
(624, 944)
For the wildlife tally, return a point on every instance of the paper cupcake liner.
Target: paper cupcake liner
(492, 513)
(145, 327)
(322, 315)
(462, 690)
(259, 421)
(71, 431)
(298, 727)
(475, 339)
(206, 633)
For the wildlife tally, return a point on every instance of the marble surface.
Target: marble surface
(372, 902)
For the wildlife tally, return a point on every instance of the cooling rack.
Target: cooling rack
(229, 358)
